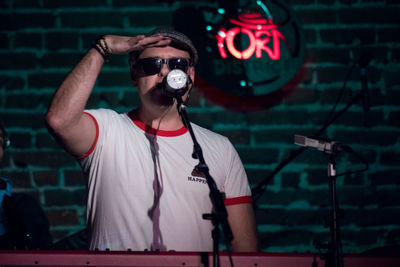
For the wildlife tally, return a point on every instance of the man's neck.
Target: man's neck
(164, 118)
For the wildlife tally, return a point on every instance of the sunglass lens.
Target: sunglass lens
(151, 66)
(178, 63)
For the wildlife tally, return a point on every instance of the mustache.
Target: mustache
(159, 96)
(159, 86)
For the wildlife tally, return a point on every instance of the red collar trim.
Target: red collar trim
(150, 130)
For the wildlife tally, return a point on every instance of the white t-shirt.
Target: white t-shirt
(143, 191)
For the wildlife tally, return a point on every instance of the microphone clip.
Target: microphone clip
(176, 83)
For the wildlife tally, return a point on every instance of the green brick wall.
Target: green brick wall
(41, 40)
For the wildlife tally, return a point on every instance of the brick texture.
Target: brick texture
(41, 40)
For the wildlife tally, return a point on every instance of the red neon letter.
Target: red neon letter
(261, 44)
(274, 54)
(221, 35)
(230, 36)
(275, 36)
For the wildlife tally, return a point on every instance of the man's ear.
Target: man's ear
(191, 73)
(133, 73)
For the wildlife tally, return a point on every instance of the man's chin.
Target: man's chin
(160, 99)
(166, 101)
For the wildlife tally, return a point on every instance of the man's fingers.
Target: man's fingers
(132, 41)
(157, 40)
(159, 44)
(125, 44)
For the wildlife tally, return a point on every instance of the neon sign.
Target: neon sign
(251, 52)
(259, 30)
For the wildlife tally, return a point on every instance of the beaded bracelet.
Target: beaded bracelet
(101, 46)
(105, 48)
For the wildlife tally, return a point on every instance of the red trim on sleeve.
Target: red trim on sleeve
(238, 200)
(95, 139)
(150, 130)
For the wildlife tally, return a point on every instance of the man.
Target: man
(144, 192)
(23, 223)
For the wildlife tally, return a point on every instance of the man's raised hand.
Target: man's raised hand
(125, 44)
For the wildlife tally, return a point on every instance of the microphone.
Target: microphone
(175, 84)
(326, 146)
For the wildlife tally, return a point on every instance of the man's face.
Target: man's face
(149, 93)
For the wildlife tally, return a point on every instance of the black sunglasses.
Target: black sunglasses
(153, 65)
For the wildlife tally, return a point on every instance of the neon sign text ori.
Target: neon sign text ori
(259, 30)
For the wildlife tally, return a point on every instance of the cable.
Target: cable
(342, 89)
(351, 151)
(260, 188)
(228, 249)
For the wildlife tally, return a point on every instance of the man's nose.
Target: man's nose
(164, 70)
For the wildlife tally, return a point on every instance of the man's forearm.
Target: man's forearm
(244, 228)
(70, 98)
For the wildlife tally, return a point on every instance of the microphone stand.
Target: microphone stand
(219, 214)
(335, 256)
(259, 190)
